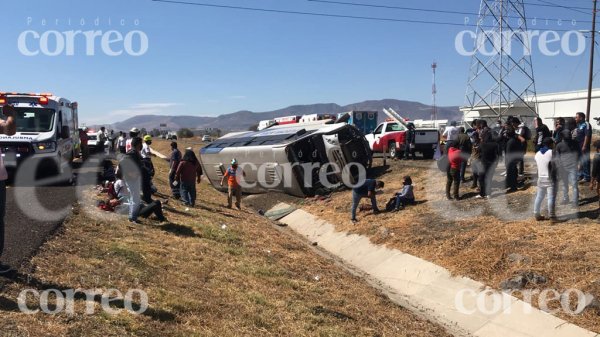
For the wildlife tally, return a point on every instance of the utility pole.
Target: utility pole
(433, 93)
(591, 78)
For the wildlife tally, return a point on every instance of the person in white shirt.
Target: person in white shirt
(7, 127)
(102, 138)
(546, 180)
(121, 143)
(451, 132)
(134, 132)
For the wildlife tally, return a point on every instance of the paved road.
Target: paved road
(33, 214)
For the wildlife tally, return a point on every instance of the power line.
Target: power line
(318, 14)
(417, 9)
(574, 9)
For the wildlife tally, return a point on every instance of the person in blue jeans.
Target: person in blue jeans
(567, 154)
(584, 139)
(406, 196)
(546, 180)
(189, 173)
(365, 190)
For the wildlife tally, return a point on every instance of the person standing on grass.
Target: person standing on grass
(559, 126)
(83, 138)
(233, 175)
(466, 147)
(523, 135)
(584, 138)
(189, 173)
(365, 190)
(514, 155)
(7, 127)
(595, 185)
(134, 132)
(567, 154)
(541, 132)
(475, 154)
(453, 174)
(546, 184)
(121, 143)
(489, 154)
(409, 143)
(173, 165)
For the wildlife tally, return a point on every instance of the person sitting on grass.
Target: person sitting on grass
(188, 174)
(453, 176)
(406, 196)
(365, 190)
(596, 171)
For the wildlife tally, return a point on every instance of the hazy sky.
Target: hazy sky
(210, 61)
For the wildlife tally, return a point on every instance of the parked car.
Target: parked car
(391, 137)
(206, 139)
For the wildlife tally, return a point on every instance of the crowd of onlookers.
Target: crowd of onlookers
(562, 156)
(130, 185)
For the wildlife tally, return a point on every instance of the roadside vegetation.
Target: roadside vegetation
(210, 272)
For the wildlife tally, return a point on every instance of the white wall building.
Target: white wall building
(549, 107)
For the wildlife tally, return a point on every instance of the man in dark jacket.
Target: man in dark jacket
(466, 147)
(365, 190)
(559, 126)
(173, 164)
(514, 154)
(488, 160)
(568, 154)
(410, 142)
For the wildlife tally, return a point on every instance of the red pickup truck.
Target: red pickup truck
(391, 137)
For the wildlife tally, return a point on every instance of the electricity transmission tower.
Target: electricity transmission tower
(501, 80)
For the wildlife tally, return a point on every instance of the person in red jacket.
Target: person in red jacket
(188, 174)
(453, 176)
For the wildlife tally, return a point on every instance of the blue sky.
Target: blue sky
(210, 61)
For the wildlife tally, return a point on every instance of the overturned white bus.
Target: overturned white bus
(295, 159)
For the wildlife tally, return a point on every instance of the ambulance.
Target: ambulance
(47, 130)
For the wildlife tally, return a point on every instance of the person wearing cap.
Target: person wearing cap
(7, 127)
(147, 159)
(134, 132)
(546, 184)
(233, 174)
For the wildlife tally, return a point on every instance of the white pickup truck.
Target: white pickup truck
(391, 137)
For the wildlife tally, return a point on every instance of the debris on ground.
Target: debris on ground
(522, 280)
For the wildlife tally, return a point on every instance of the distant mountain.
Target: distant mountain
(242, 120)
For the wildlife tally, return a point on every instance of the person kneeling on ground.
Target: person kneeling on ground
(453, 176)
(137, 179)
(365, 190)
(406, 196)
(546, 184)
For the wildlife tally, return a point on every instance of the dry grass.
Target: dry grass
(474, 239)
(212, 272)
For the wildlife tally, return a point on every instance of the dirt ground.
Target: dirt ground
(210, 271)
(487, 240)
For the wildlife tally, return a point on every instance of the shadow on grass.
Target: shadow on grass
(179, 230)
(588, 201)
(33, 283)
